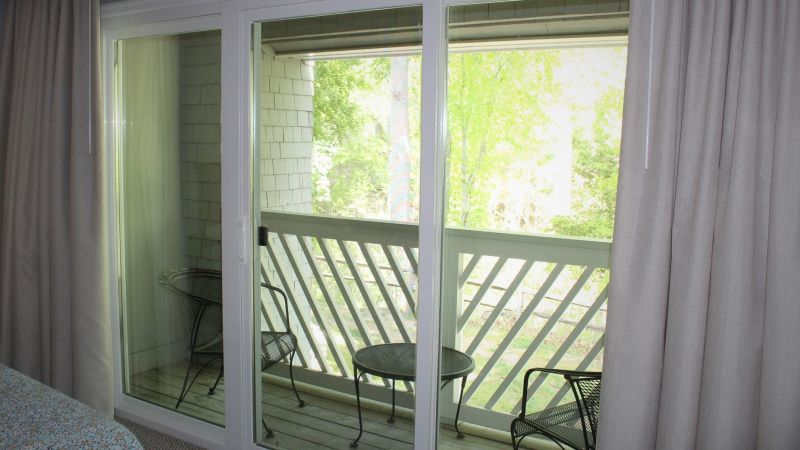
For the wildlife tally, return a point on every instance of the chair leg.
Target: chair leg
(184, 390)
(270, 433)
(514, 441)
(213, 388)
(300, 402)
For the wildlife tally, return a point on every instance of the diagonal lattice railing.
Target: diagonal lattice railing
(510, 300)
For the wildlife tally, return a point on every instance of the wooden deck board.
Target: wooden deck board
(281, 402)
(323, 423)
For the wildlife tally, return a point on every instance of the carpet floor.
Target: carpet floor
(155, 440)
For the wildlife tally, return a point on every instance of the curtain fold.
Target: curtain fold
(704, 316)
(54, 311)
(150, 200)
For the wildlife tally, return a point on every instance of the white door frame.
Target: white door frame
(135, 18)
(116, 26)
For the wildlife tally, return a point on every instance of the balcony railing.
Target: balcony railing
(510, 300)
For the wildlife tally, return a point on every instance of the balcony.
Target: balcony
(510, 300)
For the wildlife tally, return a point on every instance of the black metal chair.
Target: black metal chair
(572, 424)
(203, 288)
(276, 346)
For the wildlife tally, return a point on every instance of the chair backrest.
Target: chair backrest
(282, 294)
(587, 394)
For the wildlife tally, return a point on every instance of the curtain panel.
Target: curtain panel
(704, 311)
(54, 311)
(150, 196)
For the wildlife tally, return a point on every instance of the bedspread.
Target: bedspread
(35, 416)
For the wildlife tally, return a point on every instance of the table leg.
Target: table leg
(270, 433)
(460, 435)
(354, 444)
(391, 418)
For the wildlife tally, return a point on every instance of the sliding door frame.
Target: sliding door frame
(118, 24)
(431, 189)
(139, 18)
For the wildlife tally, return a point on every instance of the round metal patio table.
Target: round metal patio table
(397, 362)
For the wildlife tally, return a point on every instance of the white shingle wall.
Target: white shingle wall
(285, 138)
(285, 141)
(200, 149)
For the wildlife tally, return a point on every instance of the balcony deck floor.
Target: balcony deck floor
(323, 424)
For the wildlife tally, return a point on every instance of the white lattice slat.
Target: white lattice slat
(401, 280)
(333, 312)
(304, 321)
(369, 302)
(355, 314)
(485, 286)
(513, 332)
(367, 294)
(522, 362)
(412, 259)
(468, 268)
(304, 286)
(510, 291)
(567, 344)
(387, 298)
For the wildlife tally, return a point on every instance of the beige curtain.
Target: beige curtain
(54, 312)
(704, 317)
(150, 187)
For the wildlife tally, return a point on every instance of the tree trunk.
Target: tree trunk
(465, 175)
(399, 162)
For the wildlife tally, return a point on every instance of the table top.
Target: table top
(398, 362)
(203, 285)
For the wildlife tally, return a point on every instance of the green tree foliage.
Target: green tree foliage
(350, 173)
(595, 173)
(494, 111)
(510, 115)
(351, 180)
(336, 114)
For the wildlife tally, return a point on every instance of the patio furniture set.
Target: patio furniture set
(571, 424)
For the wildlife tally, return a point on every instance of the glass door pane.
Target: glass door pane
(534, 119)
(168, 193)
(337, 152)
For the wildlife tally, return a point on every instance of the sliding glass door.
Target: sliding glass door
(409, 223)
(534, 113)
(336, 200)
(168, 193)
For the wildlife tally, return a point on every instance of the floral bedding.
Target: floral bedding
(35, 416)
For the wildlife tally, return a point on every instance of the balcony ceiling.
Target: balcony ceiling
(393, 28)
